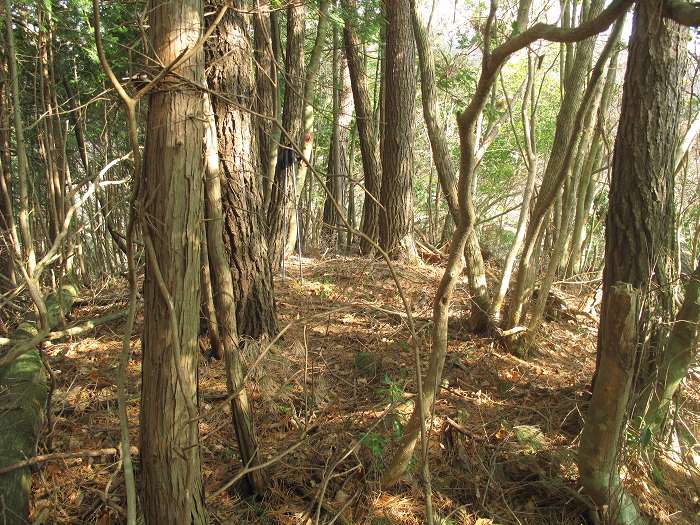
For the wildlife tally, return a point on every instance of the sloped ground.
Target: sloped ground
(501, 445)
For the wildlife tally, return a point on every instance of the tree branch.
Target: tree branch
(685, 13)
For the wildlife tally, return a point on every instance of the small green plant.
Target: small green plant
(391, 390)
(375, 443)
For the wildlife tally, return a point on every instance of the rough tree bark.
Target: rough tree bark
(640, 222)
(172, 196)
(224, 302)
(229, 71)
(282, 196)
(396, 196)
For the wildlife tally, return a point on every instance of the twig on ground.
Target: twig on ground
(97, 453)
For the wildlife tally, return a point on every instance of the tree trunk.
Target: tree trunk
(266, 103)
(170, 456)
(208, 308)
(599, 450)
(680, 353)
(50, 136)
(312, 71)
(224, 296)
(530, 158)
(229, 71)
(640, 222)
(491, 64)
(8, 279)
(554, 174)
(585, 129)
(369, 143)
(282, 195)
(396, 197)
(338, 158)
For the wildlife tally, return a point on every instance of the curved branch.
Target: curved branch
(685, 13)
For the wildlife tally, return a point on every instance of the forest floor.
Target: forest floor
(502, 443)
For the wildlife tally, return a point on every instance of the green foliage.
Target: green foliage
(391, 390)
(375, 443)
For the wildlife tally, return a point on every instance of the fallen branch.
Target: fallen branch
(78, 329)
(101, 300)
(43, 458)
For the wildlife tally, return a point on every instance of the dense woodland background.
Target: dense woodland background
(410, 261)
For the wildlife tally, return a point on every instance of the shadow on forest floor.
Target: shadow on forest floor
(502, 443)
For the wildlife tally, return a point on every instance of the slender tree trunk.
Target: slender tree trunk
(338, 158)
(224, 296)
(528, 116)
(170, 456)
(266, 104)
(554, 174)
(586, 188)
(680, 353)
(312, 70)
(330, 215)
(396, 197)
(229, 71)
(50, 135)
(282, 195)
(369, 141)
(352, 219)
(208, 307)
(7, 222)
(592, 98)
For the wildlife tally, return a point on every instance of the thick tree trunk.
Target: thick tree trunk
(640, 222)
(174, 164)
(396, 196)
(282, 196)
(599, 452)
(369, 143)
(229, 71)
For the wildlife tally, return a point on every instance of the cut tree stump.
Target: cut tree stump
(23, 392)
